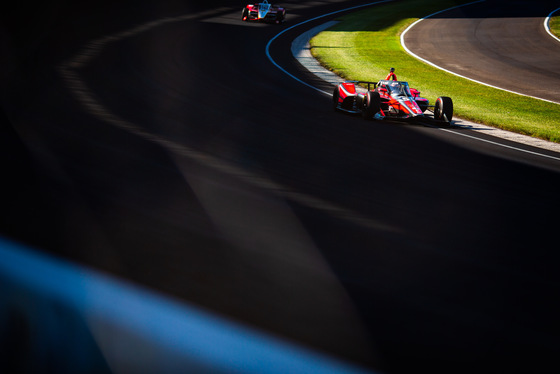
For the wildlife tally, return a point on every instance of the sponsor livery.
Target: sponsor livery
(263, 12)
(390, 99)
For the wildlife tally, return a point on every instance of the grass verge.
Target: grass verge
(366, 54)
(554, 25)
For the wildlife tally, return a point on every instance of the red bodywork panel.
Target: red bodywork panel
(253, 11)
(403, 105)
(347, 89)
(399, 106)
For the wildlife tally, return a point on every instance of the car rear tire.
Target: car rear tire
(371, 105)
(244, 14)
(443, 110)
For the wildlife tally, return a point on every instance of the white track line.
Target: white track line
(267, 49)
(547, 24)
(70, 71)
(300, 51)
(451, 72)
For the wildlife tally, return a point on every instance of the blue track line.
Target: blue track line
(133, 328)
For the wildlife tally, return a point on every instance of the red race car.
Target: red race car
(389, 99)
(263, 12)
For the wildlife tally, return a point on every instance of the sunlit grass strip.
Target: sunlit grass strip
(369, 52)
(554, 25)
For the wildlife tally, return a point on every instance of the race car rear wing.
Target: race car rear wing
(364, 82)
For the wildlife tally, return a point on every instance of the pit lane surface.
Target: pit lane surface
(501, 43)
(213, 178)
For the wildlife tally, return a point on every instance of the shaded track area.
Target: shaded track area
(192, 166)
(502, 43)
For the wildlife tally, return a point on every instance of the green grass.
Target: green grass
(374, 46)
(554, 25)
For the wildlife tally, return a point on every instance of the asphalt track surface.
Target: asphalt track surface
(502, 43)
(177, 156)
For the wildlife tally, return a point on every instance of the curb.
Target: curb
(301, 51)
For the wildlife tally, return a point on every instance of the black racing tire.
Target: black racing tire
(371, 105)
(335, 96)
(280, 17)
(245, 14)
(443, 110)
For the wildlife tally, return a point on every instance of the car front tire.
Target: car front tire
(371, 105)
(443, 110)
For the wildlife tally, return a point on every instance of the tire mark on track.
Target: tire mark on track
(70, 74)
